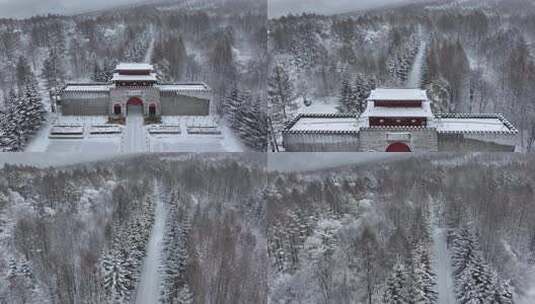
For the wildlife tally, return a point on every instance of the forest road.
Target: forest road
(415, 75)
(150, 50)
(442, 264)
(148, 290)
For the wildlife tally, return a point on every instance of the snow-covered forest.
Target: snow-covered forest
(222, 43)
(455, 229)
(471, 56)
(84, 233)
(176, 229)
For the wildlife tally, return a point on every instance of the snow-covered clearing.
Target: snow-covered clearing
(148, 289)
(442, 263)
(40, 141)
(327, 104)
(415, 75)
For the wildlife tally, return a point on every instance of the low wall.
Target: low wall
(313, 142)
(80, 105)
(184, 105)
(475, 143)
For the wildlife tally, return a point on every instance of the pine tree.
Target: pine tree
(396, 287)
(176, 254)
(251, 124)
(96, 72)
(531, 257)
(23, 72)
(116, 276)
(184, 296)
(473, 278)
(280, 95)
(53, 70)
(35, 110)
(233, 102)
(503, 294)
(423, 284)
(362, 88)
(13, 126)
(346, 97)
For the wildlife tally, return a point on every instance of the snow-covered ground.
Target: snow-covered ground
(40, 142)
(96, 144)
(135, 136)
(148, 290)
(185, 142)
(529, 296)
(319, 105)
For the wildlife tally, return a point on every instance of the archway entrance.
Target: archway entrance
(152, 110)
(398, 147)
(134, 106)
(117, 109)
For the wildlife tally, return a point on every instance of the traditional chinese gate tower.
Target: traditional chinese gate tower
(134, 87)
(397, 109)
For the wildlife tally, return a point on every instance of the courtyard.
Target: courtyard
(94, 134)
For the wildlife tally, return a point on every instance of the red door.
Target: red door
(398, 147)
(134, 101)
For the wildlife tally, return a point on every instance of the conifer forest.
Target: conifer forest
(267, 152)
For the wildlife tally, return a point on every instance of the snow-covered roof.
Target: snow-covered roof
(474, 123)
(97, 87)
(398, 94)
(183, 87)
(453, 123)
(134, 67)
(374, 111)
(323, 123)
(119, 77)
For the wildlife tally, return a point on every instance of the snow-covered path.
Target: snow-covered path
(415, 75)
(148, 289)
(150, 50)
(135, 139)
(442, 267)
(442, 261)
